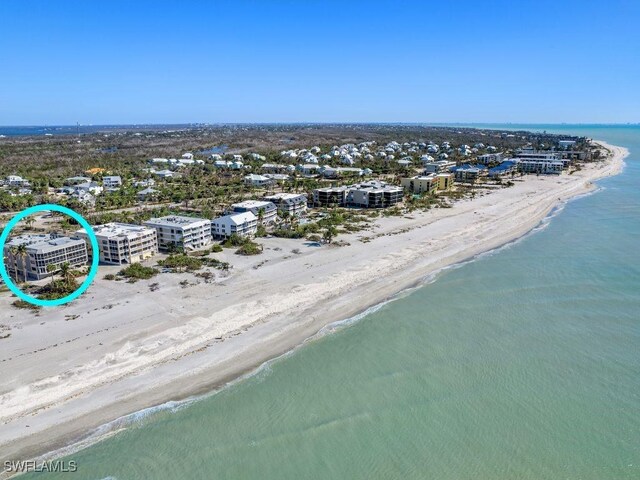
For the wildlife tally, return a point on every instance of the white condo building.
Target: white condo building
(295, 204)
(121, 243)
(265, 211)
(244, 224)
(540, 166)
(41, 251)
(176, 231)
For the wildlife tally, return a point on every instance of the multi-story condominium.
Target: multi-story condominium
(468, 172)
(544, 156)
(244, 224)
(488, 158)
(538, 154)
(121, 243)
(540, 166)
(176, 231)
(43, 253)
(439, 166)
(420, 183)
(575, 155)
(330, 196)
(374, 194)
(445, 181)
(295, 204)
(112, 182)
(265, 212)
(505, 168)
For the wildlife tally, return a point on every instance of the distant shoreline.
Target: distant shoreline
(38, 131)
(173, 352)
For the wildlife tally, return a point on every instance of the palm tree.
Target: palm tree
(51, 268)
(329, 234)
(21, 251)
(284, 216)
(13, 253)
(30, 221)
(65, 273)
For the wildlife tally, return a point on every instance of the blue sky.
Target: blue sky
(98, 62)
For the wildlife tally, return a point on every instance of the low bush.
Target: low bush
(27, 305)
(137, 271)
(250, 248)
(179, 263)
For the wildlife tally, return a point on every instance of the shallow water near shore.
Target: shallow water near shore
(524, 363)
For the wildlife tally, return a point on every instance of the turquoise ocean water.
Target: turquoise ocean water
(521, 364)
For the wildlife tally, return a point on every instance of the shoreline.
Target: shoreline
(461, 234)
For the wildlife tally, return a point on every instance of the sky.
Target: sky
(126, 62)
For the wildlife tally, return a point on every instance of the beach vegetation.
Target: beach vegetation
(215, 263)
(137, 271)
(25, 305)
(234, 240)
(58, 287)
(180, 263)
(329, 234)
(249, 248)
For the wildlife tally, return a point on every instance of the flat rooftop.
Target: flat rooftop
(284, 196)
(423, 177)
(252, 204)
(42, 243)
(174, 221)
(112, 230)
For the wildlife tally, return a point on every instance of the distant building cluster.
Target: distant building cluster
(426, 168)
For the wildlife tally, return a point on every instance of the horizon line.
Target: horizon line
(143, 124)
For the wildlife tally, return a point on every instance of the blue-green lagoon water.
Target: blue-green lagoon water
(522, 364)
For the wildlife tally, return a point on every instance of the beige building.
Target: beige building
(420, 183)
(175, 231)
(445, 181)
(121, 243)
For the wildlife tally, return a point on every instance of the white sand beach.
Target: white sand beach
(122, 348)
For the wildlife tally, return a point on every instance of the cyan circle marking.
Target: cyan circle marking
(94, 260)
